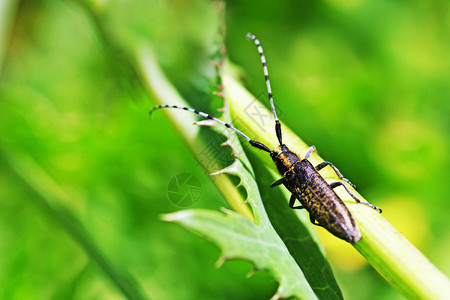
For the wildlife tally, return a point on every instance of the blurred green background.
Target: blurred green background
(367, 82)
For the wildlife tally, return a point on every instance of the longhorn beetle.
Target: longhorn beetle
(300, 177)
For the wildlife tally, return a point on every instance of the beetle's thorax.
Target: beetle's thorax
(284, 158)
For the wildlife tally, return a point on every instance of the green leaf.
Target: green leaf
(238, 236)
(241, 238)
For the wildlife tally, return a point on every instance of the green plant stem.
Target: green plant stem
(391, 254)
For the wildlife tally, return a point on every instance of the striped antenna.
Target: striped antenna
(269, 90)
(208, 116)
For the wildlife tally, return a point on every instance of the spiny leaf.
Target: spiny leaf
(240, 238)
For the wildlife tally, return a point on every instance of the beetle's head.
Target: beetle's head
(283, 158)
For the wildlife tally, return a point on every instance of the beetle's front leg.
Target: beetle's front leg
(277, 183)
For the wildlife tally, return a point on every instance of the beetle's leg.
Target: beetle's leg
(338, 183)
(292, 201)
(311, 218)
(309, 152)
(327, 163)
(277, 183)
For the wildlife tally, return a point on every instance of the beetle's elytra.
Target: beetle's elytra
(301, 178)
